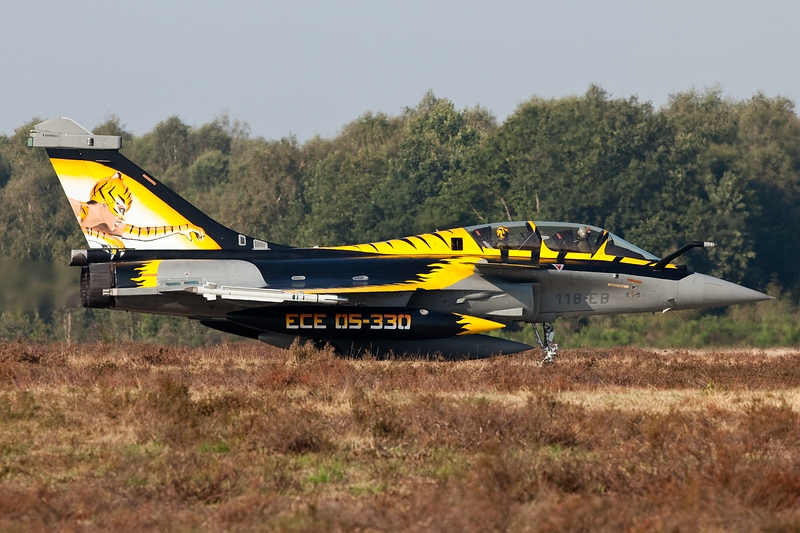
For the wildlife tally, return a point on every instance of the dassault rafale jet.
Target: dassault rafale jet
(150, 251)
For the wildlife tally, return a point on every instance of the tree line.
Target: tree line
(702, 167)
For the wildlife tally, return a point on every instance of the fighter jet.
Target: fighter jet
(434, 294)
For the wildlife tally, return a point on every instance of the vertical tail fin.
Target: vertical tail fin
(119, 205)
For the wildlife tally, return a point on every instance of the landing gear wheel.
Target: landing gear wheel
(549, 348)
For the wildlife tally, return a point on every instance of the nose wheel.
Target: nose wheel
(549, 348)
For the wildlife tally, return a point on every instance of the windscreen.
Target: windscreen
(622, 248)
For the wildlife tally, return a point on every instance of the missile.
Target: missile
(390, 323)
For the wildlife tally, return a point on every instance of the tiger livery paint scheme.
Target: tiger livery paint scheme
(436, 293)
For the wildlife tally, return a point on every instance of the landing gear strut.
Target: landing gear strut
(548, 346)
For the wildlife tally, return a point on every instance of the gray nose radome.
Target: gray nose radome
(698, 290)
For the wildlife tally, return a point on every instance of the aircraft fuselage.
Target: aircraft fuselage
(152, 251)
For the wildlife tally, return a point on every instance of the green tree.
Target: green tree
(342, 177)
(262, 193)
(36, 221)
(433, 156)
(704, 167)
(769, 139)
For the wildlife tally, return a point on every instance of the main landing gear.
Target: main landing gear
(548, 346)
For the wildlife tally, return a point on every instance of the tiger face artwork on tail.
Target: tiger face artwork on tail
(102, 217)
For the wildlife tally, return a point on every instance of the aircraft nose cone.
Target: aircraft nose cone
(698, 290)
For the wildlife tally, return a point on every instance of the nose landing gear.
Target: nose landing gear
(548, 346)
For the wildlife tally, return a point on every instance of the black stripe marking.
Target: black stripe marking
(376, 248)
(440, 237)
(420, 237)
(409, 242)
(561, 257)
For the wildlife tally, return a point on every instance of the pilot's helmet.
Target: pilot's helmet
(502, 233)
(583, 232)
(113, 192)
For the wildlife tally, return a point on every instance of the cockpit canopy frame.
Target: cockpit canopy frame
(556, 236)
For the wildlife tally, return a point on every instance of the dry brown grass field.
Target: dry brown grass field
(245, 437)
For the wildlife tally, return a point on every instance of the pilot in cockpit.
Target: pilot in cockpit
(584, 244)
(502, 238)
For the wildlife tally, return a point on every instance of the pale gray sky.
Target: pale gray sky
(310, 67)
